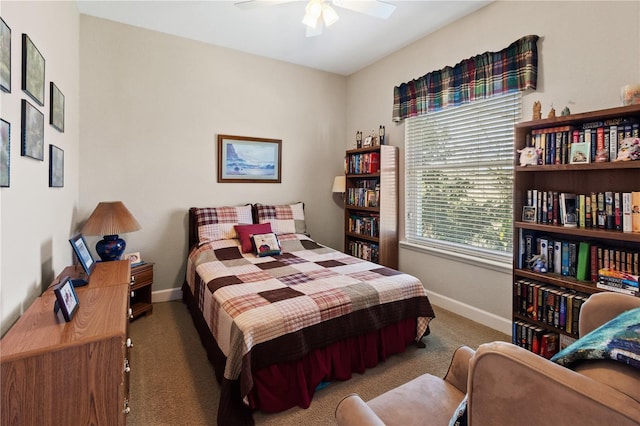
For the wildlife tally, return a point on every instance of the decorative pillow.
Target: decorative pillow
(266, 244)
(247, 231)
(459, 417)
(217, 223)
(284, 219)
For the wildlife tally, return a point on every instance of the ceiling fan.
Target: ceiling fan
(319, 13)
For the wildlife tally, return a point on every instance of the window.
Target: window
(459, 178)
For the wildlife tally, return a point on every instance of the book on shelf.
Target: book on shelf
(582, 269)
(626, 212)
(635, 211)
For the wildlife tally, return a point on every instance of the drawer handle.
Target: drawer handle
(130, 313)
(133, 293)
(133, 279)
(129, 342)
(126, 409)
(127, 367)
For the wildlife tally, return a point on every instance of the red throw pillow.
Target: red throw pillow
(246, 231)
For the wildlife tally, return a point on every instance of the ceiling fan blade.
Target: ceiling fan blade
(313, 32)
(375, 8)
(253, 4)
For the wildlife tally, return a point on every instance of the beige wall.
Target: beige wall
(36, 221)
(152, 106)
(587, 51)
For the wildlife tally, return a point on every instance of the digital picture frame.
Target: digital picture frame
(84, 257)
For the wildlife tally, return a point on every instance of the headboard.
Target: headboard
(193, 228)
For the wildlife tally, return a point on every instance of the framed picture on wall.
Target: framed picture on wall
(245, 159)
(56, 167)
(32, 131)
(5, 153)
(32, 71)
(56, 107)
(5, 57)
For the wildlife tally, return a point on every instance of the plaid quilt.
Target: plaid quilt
(306, 298)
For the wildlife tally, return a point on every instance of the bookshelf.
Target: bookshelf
(371, 204)
(548, 303)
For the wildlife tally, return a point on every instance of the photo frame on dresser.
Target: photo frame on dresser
(81, 250)
(66, 299)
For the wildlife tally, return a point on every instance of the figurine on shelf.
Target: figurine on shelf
(537, 110)
(538, 263)
(552, 113)
(566, 111)
(358, 139)
(629, 150)
(381, 133)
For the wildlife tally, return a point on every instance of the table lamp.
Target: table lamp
(339, 184)
(110, 219)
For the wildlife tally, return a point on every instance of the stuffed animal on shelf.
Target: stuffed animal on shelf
(528, 156)
(629, 150)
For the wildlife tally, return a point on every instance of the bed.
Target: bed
(280, 323)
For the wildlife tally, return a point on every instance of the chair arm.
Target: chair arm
(352, 410)
(458, 372)
(603, 307)
(508, 384)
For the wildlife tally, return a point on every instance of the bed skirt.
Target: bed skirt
(282, 386)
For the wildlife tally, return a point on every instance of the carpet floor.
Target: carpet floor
(173, 383)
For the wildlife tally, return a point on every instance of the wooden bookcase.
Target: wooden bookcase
(64, 373)
(371, 204)
(568, 178)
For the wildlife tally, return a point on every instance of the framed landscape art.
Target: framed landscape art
(5, 57)
(32, 70)
(5, 153)
(56, 167)
(56, 108)
(246, 159)
(32, 132)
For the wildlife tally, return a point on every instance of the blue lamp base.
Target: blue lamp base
(110, 248)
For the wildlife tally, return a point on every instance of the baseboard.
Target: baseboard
(488, 319)
(166, 295)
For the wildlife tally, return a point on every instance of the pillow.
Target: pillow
(266, 244)
(217, 223)
(246, 232)
(284, 219)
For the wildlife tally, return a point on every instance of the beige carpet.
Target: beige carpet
(172, 382)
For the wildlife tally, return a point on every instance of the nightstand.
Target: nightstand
(141, 283)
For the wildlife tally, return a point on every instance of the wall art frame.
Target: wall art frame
(56, 107)
(56, 167)
(5, 153)
(5, 57)
(243, 159)
(32, 132)
(33, 64)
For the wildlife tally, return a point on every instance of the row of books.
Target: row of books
(555, 306)
(535, 339)
(581, 260)
(611, 210)
(364, 224)
(364, 197)
(601, 138)
(364, 250)
(366, 163)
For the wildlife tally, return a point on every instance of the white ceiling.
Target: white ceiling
(276, 31)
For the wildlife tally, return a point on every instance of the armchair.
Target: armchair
(506, 384)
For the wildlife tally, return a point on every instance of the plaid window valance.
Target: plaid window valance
(514, 68)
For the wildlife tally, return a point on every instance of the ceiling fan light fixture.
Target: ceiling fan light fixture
(329, 16)
(312, 13)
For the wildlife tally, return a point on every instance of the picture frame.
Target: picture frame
(133, 258)
(66, 299)
(56, 107)
(5, 57)
(529, 214)
(367, 142)
(580, 153)
(81, 250)
(243, 159)
(5, 153)
(32, 131)
(56, 167)
(32, 70)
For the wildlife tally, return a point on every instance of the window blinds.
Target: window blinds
(459, 177)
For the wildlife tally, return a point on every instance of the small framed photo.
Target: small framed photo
(32, 132)
(56, 167)
(5, 153)
(32, 70)
(529, 214)
(133, 258)
(368, 141)
(81, 249)
(5, 57)
(66, 299)
(580, 153)
(56, 107)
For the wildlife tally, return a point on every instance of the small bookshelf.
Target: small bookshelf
(371, 204)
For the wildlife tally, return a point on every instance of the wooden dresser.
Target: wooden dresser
(70, 373)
